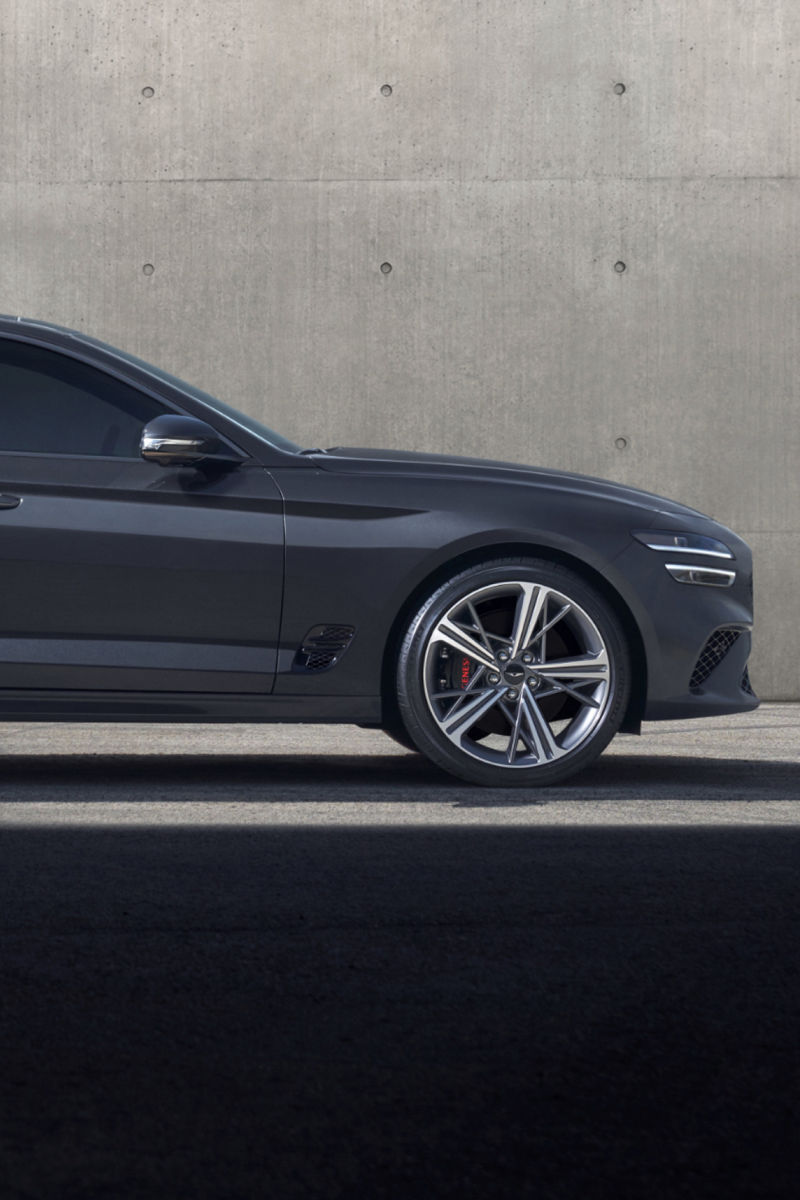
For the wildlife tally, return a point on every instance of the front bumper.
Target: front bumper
(697, 638)
(715, 688)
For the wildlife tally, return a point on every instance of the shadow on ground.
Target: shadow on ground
(472, 1012)
(402, 777)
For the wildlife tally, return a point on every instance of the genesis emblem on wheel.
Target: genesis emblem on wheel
(514, 673)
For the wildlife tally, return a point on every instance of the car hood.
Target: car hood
(481, 470)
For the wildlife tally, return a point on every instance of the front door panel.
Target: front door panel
(120, 574)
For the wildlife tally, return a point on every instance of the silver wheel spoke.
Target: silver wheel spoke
(470, 713)
(589, 701)
(516, 734)
(522, 732)
(541, 636)
(478, 628)
(447, 631)
(529, 609)
(584, 669)
(546, 746)
(461, 694)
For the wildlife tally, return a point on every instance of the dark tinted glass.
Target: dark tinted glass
(52, 404)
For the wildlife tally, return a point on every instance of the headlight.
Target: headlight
(689, 543)
(682, 543)
(710, 576)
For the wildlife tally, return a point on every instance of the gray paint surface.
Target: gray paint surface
(267, 179)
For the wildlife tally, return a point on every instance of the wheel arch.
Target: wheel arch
(483, 554)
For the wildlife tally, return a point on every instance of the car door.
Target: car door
(120, 574)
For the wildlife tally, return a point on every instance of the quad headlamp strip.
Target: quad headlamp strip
(690, 543)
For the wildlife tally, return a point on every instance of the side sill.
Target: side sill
(177, 707)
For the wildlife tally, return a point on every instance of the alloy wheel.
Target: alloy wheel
(516, 672)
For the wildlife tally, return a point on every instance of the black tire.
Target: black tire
(514, 673)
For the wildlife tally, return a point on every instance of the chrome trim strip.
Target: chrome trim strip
(157, 444)
(689, 550)
(707, 576)
(667, 541)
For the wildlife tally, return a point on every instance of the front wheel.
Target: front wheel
(513, 673)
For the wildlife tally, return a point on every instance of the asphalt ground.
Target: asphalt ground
(239, 962)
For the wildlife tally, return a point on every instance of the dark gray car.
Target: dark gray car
(167, 558)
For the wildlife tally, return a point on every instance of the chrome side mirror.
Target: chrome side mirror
(173, 440)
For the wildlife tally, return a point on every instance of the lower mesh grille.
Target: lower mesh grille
(712, 655)
(322, 647)
(745, 683)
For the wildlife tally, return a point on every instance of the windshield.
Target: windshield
(242, 419)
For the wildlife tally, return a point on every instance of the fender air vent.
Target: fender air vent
(322, 647)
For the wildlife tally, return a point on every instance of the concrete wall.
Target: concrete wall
(245, 149)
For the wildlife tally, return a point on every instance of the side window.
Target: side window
(53, 404)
